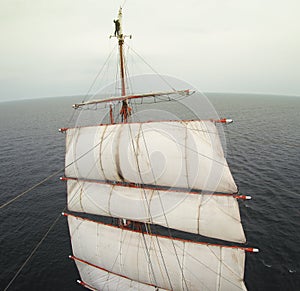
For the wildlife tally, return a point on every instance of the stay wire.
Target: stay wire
(52, 225)
(34, 250)
(49, 177)
(31, 188)
(55, 173)
(156, 72)
(98, 74)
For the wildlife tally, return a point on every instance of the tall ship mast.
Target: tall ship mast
(121, 37)
(126, 206)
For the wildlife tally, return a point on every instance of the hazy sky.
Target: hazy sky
(56, 47)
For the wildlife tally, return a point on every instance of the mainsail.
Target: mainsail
(170, 173)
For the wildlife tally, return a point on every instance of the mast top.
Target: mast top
(119, 28)
(120, 36)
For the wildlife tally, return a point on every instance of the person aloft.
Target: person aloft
(117, 27)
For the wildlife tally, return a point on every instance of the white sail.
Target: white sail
(185, 154)
(100, 279)
(209, 215)
(156, 260)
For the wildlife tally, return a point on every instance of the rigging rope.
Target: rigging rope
(49, 177)
(62, 169)
(163, 210)
(98, 74)
(148, 204)
(149, 258)
(221, 276)
(52, 225)
(149, 213)
(34, 250)
(159, 75)
(31, 188)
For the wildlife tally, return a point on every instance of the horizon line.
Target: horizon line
(201, 92)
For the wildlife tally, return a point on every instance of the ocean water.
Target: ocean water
(263, 153)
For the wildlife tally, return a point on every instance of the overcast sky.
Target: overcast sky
(56, 47)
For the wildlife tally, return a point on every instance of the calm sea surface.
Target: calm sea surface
(263, 153)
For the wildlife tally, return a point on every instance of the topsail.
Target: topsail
(175, 154)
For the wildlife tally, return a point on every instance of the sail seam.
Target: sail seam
(117, 155)
(199, 212)
(183, 257)
(222, 266)
(186, 155)
(219, 271)
(100, 152)
(80, 197)
(109, 201)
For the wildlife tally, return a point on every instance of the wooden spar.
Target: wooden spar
(136, 96)
(64, 129)
(156, 187)
(86, 285)
(105, 270)
(246, 249)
